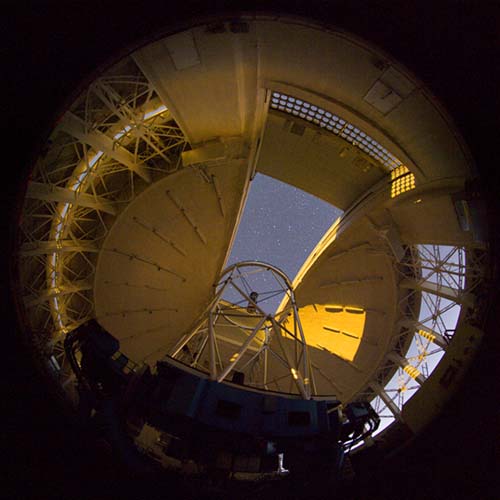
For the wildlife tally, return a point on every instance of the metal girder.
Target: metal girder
(156, 81)
(242, 350)
(435, 337)
(444, 291)
(49, 192)
(407, 367)
(211, 344)
(68, 327)
(233, 342)
(76, 127)
(77, 286)
(108, 96)
(34, 248)
(393, 407)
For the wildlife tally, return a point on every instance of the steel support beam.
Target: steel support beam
(443, 291)
(68, 327)
(296, 375)
(393, 407)
(150, 70)
(230, 341)
(127, 115)
(211, 345)
(437, 338)
(306, 365)
(407, 367)
(242, 350)
(34, 248)
(49, 192)
(76, 127)
(77, 286)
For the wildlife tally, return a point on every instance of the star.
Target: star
(280, 225)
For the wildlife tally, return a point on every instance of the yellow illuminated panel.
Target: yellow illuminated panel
(427, 335)
(399, 171)
(402, 180)
(411, 371)
(335, 328)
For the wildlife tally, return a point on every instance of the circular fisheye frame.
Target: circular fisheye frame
(240, 371)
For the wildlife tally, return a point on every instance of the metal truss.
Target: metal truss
(446, 281)
(116, 140)
(242, 332)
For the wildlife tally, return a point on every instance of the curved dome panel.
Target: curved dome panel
(161, 258)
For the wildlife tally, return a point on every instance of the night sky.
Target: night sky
(281, 225)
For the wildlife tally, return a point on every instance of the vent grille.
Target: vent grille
(336, 125)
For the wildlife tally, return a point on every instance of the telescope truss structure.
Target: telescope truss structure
(258, 340)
